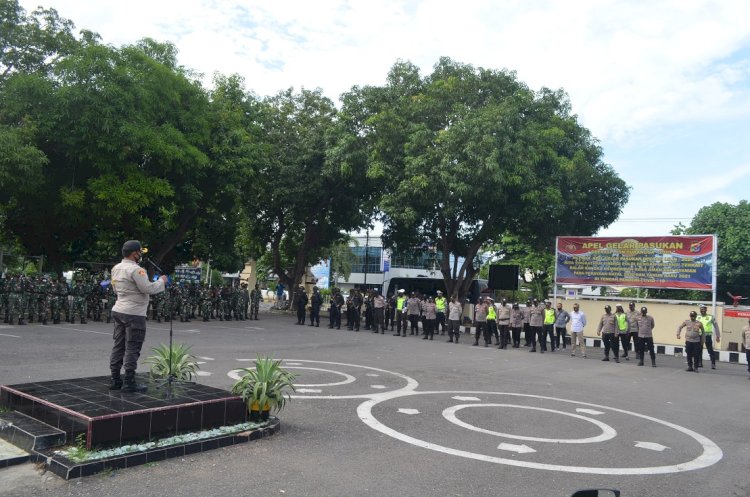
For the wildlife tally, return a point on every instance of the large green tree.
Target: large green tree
(99, 144)
(305, 193)
(731, 224)
(469, 154)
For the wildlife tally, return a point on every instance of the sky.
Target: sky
(663, 85)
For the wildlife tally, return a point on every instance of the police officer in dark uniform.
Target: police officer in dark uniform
(133, 288)
(301, 305)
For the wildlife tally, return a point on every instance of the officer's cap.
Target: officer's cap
(439, 292)
(607, 307)
(644, 309)
(130, 246)
(703, 306)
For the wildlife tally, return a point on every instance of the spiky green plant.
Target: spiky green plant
(184, 365)
(267, 385)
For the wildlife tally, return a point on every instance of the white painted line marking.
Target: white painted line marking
(372, 375)
(651, 446)
(79, 329)
(519, 449)
(292, 364)
(200, 362)
(347, 377)
(711, 454)
(203, 373)
(242, 360)
(4, 335)
(205, 358)
(309, 390)
(465, 399)
(187, 331)
(607, 433)
(408, 411)
(590, 411)
(253, 328)
(379, 387)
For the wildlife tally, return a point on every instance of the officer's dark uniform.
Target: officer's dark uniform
(316, 302)
(133, 288)
(301, 304)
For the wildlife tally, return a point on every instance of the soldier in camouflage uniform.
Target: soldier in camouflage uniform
(15, 298)
(254, 302)
(193, 298)
(158, 306)
(184, 298)
(244, 301)
(59, 300)
(43, 298)
(78, 292)
(234, 302)
(95, 298)
(206, 303)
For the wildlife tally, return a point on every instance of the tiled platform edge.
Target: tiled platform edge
(68, 469)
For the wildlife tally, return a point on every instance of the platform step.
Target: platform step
(10, 455)
(27, 433)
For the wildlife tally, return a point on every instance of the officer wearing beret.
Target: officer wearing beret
(133, 288)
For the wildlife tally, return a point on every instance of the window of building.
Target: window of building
(369, 256)
(417, 259)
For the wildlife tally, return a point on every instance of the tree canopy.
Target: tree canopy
(471, 154)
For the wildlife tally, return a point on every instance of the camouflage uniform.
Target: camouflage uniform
(206, 303)
(184, 300)
(95, 299)
(158, 306)
(43, 300)
(254, 302)
(15, 299)
(4, 298)
(244, 301)
(59, 301)
(78, 292)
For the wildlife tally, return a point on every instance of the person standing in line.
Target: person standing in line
(413, 310)
(536, 323)
(492, 321)
(378, 312)
(550, 316)
(429, 309)
(577, 324)
(390, 311)
(480, 322)
(455, 309)
(301, 305)
(503, 323)
(441, 304)
(623, 330)
(527, 335)
(633, 316)
(608, 331)
(693, 337)
(129, 312)
(400, 305)
(517, 317)
(710, 326)
(745, 335)
(646, 337)
(561, 326)
(357, 301)
(316, 302)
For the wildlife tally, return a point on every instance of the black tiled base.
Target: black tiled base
(28, 433)
(110, 418)
(68, 469)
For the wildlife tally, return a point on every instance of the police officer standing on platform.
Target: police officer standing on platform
(133, 288)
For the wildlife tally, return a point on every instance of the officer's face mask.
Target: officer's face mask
(138, 257)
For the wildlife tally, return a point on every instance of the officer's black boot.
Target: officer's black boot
(130, 385)
(116, 381)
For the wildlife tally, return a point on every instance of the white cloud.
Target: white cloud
(628, 66)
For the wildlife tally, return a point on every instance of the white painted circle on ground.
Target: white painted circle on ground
(411, 383)
(608, 432)
(347, 377)
(710, 455)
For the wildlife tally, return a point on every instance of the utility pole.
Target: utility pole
(367, 251)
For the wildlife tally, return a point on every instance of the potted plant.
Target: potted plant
(181, 362)
(266, 386)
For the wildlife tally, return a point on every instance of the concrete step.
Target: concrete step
(10, 455)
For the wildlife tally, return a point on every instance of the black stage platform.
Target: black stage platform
(110, 418)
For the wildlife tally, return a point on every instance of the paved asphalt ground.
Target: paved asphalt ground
(418, 418)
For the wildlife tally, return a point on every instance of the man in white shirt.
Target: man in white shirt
(577, 324)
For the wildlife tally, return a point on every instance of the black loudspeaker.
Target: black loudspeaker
(503, 277)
